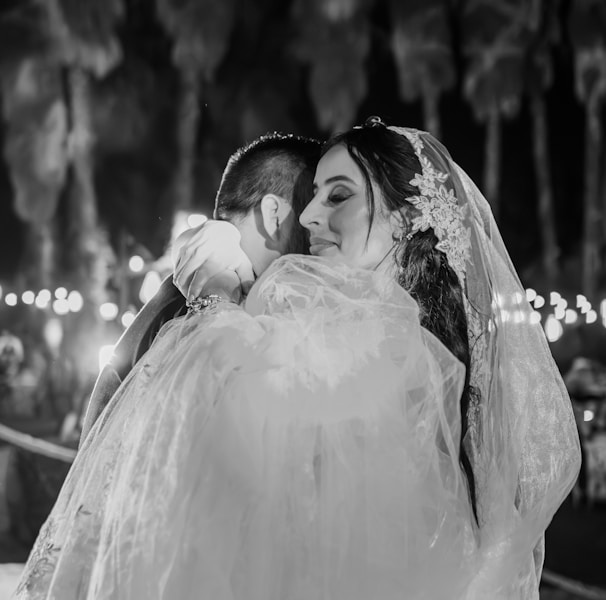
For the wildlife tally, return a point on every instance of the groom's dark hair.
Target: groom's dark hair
(275, 163)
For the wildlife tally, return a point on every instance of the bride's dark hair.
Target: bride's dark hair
(388, 159)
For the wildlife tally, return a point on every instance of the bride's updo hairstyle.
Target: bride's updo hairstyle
(389, 160)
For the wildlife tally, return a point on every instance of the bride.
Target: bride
(373, 423)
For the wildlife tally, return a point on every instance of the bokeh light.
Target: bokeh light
(553, 329)
(136, 264)
(108, 311)
(41, 301)
(75, 301)
(554, 298)
(11, 299)
(44, 296)
(535, 317)
(127, 318)
(570, 316)
(53, 333)
(61, 306)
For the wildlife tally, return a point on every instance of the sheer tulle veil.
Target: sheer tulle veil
(306, 445)
(522, 436)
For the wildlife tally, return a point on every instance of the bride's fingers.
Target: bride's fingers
(183, 281)
(196, 285)
(190, 260)
(192, 285)
(182, 242)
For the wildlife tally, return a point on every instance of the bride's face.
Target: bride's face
(338, 216)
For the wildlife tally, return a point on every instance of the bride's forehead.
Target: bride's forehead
(337, 161)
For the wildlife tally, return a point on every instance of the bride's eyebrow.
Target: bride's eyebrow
(334, 179)
(340, 178)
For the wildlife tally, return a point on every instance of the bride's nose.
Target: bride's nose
(311, 214)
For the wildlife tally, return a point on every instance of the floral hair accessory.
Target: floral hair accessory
(439, 208)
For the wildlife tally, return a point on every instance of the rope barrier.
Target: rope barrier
(581, 590)
(36, 445)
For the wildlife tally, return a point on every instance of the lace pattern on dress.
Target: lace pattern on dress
(43, 558)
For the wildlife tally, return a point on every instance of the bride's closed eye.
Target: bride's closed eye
(339, 195)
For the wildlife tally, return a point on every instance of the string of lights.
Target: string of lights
(554, 312)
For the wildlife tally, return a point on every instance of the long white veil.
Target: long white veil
(522, 437)
(307, 447)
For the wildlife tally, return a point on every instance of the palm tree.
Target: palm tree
(50, 148)
(493, 44)
(84, 40)
(200, 30)
(36, 131)
(334, 40)
(35, 150)
(421, 45)
(543, 31)
(587, 32)
(85, 46)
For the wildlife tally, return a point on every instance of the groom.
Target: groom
(264, 188)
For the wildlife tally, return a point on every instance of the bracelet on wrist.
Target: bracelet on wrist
(205, 303)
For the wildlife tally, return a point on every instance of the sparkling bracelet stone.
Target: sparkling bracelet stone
(202, 303)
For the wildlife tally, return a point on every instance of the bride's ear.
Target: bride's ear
(398, 224)
(274, 210)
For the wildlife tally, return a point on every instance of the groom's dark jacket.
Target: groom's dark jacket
(165, 305)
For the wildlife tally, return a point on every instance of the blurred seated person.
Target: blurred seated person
(586, 384)
(12, 355)
(586, 379)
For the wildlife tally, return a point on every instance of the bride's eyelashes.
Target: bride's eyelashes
(339, 195)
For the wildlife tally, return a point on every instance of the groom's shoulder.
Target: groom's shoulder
(165, 305)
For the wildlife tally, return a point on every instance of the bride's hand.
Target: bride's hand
(207, 251)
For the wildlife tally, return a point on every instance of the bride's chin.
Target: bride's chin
(326, 250)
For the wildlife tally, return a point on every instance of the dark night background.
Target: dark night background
(151, 97)
(135, 149)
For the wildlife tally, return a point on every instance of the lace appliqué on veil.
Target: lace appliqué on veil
(439, 208)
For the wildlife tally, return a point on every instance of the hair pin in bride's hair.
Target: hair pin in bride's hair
(374, 121)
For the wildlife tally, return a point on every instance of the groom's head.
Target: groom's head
(264, 188)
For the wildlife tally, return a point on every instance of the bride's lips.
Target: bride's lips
(319, 245)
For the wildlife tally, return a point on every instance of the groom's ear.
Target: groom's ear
(274, 210)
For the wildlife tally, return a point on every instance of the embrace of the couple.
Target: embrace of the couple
(354, 406)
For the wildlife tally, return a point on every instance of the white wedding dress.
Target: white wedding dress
(304, 447)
